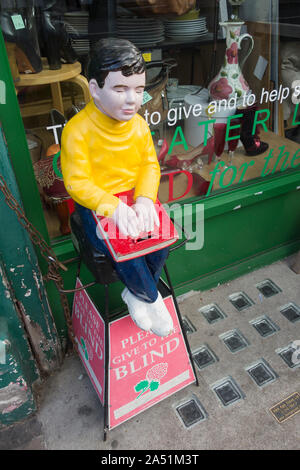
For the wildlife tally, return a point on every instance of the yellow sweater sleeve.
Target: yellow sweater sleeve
(78, 178)
(149, 174)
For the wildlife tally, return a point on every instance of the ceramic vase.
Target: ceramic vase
(230, 81)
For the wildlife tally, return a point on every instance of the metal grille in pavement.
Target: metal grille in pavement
(226, 390)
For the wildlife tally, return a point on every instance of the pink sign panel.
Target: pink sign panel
(144, 368)
(89, 331)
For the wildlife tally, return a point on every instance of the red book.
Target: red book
(123, 248)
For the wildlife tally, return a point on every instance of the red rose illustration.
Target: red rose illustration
(220, 89)
(232, 53)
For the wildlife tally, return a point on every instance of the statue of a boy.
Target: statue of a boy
(107, 148)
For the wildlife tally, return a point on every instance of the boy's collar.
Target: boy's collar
(102, 120)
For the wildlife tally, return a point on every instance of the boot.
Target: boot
(28, 61)
(49, 26)
(55, 38)
(252, 143)
(67, 52)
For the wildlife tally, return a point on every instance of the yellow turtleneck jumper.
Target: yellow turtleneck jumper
(101, 156)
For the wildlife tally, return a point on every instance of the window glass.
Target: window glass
(221, 97)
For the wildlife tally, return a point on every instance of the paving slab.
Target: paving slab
(243, 362)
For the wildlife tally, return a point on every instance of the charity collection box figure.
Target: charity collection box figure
(106, 149)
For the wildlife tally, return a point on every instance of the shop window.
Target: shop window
(216, 126)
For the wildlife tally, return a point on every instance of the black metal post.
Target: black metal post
(106, 320)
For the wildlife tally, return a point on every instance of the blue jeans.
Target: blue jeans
(140, 275)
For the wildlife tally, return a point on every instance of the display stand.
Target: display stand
(131, 369)
(67, 72)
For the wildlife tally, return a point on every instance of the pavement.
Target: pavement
(245, 343)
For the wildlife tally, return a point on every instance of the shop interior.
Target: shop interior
(183, 54)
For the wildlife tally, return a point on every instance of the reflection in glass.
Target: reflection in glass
(220, 133)
(232, 144)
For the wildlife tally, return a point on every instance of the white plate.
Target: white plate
(141, 38)
(192, 31)
(198, 20)
(188, 26)
(139, 22)
(175, 28)
(148, 43)
(175, 31)
(191, 26)
(76, 14)
(179, 25)
(185, 30)
(181, 91)
(78, 23)
(186, 38)
(77, 20)
(74, 28)
(140, 33)
(140, 28)
(144, 35)
(195, 33)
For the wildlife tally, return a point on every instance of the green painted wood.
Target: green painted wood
(18, 370)
(24, 276)
(12, 124)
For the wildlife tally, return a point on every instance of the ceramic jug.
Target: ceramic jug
(230, 81)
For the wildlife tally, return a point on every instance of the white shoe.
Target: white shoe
(137, 310)
(162, 323)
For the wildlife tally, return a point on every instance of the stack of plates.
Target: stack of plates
(186, 29)
(76, 25)
(176, 96)
(142, 32)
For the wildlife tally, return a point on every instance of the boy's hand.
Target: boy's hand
(126, 219)
(146, 214)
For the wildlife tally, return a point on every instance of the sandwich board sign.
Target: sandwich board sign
(143, 369)
(89, 332)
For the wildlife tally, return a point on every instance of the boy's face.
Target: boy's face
(121, 97)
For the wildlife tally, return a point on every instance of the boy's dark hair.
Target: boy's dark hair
(112, 55)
